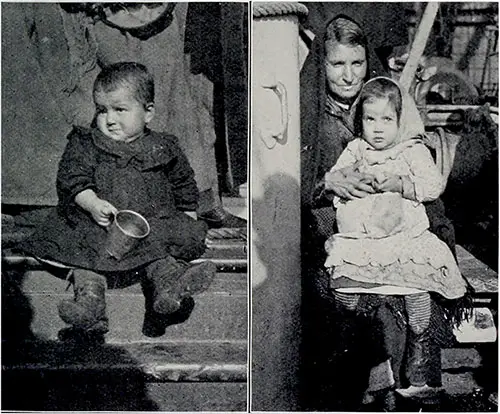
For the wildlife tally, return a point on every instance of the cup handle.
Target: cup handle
(112, 217)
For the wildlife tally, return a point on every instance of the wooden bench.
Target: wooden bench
(482, 328)
(483, 279)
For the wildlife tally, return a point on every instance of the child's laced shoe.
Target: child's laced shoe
(172, 280)
(87, 310)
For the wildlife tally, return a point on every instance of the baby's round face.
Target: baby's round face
(119, 115)
(380, 123)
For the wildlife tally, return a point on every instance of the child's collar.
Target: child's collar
(374, 156)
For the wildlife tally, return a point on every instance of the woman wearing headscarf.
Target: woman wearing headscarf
(335, 337)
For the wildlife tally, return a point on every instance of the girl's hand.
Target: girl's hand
(349, 184)
(388, 183)
(102, 211)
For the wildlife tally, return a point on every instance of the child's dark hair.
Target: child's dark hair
(127, 74)
(378, 88)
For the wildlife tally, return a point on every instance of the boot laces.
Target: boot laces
(85, 289)
(70, 278)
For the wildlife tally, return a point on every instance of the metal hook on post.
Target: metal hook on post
(281, 135)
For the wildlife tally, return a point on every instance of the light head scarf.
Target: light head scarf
(411, 126)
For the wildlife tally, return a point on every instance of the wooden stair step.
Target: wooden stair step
(224, 264)
(216, 238)
(172, 376)
(196, 361)
(453, 359)
(226, 247)
(459, 383)
(40, 281)
(214, 317)
(219, 313)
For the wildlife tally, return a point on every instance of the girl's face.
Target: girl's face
(380, 123)
(120, 116)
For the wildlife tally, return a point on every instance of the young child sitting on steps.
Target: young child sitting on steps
(120, 164)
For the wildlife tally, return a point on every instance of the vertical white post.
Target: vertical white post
(418, 45)
(275, 189)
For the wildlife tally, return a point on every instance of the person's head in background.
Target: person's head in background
(345, 59)
(124, 100)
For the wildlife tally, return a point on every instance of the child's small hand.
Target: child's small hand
(348, 184)
(368, 179)
(102, 211)
(388, 183)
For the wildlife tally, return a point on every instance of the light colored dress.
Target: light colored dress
(383, 238)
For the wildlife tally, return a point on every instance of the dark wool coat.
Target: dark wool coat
(150, 175)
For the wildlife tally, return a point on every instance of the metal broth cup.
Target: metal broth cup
(126, 230)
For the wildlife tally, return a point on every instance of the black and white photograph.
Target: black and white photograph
(249, 206)
(374, 224)
(124, 206)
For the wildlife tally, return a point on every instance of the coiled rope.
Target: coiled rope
(279, 9)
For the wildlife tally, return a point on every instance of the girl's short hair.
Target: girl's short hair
(379, 88)
(127, 74)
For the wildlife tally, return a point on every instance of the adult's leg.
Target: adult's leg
(388, 332)
(332, 333)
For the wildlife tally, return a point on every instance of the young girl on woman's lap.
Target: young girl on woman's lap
(384, 244)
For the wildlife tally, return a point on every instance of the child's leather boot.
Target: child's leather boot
(154, 323)
(418, 359)
(172, 280)
(87, 310)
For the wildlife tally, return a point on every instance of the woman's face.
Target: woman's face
(345, 67)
